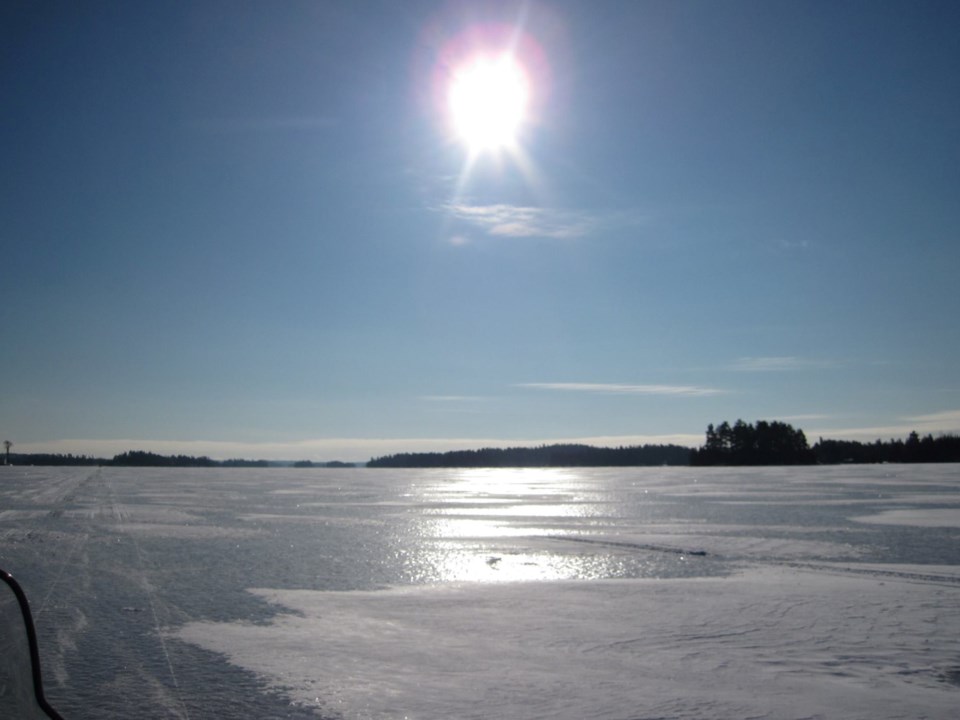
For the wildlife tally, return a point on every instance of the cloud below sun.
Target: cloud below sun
(623, 389)
(504, 220)
(777, 364)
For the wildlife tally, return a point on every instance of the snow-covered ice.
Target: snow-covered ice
(616, 593)
(766, 642)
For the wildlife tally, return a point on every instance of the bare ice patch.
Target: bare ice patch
(186, 532)
(917, 517)
(770, 642)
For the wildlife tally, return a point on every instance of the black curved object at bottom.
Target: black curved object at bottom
(31, 635)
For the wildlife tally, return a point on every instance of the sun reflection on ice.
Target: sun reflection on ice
(501, 525)
(507, 483)
(455, 562)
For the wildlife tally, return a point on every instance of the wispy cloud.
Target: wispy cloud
(451, 398)
(784, 244)
(622, 389)
(802, 418)
(938, 423)
(777, 364)
(518, 221)
(949, 418)
(455, 404)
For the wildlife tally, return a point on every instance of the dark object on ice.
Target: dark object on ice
(633, 545)
(951, 675)
(21, 689)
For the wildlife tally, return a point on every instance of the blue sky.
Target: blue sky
(245, 229)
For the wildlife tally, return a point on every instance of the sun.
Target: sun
(487, 100)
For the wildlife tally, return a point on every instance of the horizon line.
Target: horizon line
(364, 449)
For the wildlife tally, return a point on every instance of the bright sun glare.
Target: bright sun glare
(488, 102)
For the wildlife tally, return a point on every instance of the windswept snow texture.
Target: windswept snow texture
(613, 593)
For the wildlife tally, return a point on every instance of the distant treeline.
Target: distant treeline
(54, 459)
(778, 443)
(142, 458)
(543, 456)
(928, 449)
(762, 443)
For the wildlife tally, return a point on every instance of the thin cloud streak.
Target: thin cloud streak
(777, 364)
(947, 417)
(946, 422)
(521, 222)
(622, 389)
(452, 398)
(802, 418)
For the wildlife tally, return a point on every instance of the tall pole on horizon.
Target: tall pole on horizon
(6, 446)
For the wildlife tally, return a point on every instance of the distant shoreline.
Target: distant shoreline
(944, 449)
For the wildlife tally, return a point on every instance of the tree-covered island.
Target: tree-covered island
(766, 443)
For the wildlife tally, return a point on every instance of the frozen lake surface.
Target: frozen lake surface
(622, 593)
